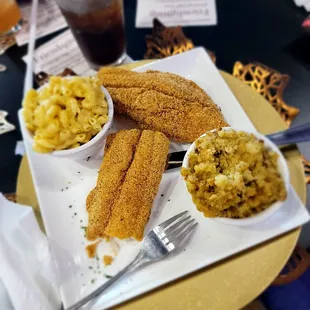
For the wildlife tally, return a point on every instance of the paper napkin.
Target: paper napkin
(25, 261)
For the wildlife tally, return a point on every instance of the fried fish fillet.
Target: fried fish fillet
(116, 162)
(162, 101)
(120, 204)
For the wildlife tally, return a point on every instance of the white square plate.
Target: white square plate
(62, 186)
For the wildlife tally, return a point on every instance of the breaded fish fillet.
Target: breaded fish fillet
(162, 101)
(123, 213)
(119, 152)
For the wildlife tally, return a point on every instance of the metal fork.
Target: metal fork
(157, 244)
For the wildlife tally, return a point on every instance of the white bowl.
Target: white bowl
(91, 147)
(283, 169)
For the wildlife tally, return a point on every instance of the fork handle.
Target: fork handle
(91, 299)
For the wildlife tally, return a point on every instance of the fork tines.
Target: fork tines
(176, 229)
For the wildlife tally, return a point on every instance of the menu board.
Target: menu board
(60, 53)
(49, 20)
(176, 12)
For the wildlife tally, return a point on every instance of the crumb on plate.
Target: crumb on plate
(91, 249)
(107, 260)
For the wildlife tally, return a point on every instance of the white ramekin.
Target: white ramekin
(88, 149)
(283, 169)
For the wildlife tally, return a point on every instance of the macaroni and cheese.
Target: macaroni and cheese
(66, 113)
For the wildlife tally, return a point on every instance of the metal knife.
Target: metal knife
(296, 134)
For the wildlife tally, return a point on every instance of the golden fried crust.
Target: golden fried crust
(124, 99)
(163, 82)
(117, 159)
(132, 209)
(181, 125)
(128, 180)
(163, 102)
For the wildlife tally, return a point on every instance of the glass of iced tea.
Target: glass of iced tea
(10, 17)
(98, 27)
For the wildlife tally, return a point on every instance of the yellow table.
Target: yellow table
(234, 282)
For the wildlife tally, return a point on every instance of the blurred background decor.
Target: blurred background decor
(297, 264)
(168, 41)
(307, 168)
(270, 84)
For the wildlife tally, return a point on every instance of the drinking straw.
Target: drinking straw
(28, 82)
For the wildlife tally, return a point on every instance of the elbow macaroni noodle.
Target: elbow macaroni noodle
(65, 114)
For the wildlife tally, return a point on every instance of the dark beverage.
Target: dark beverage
(99, 32)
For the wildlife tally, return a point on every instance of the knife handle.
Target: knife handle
(296, 134)
(175, 160)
